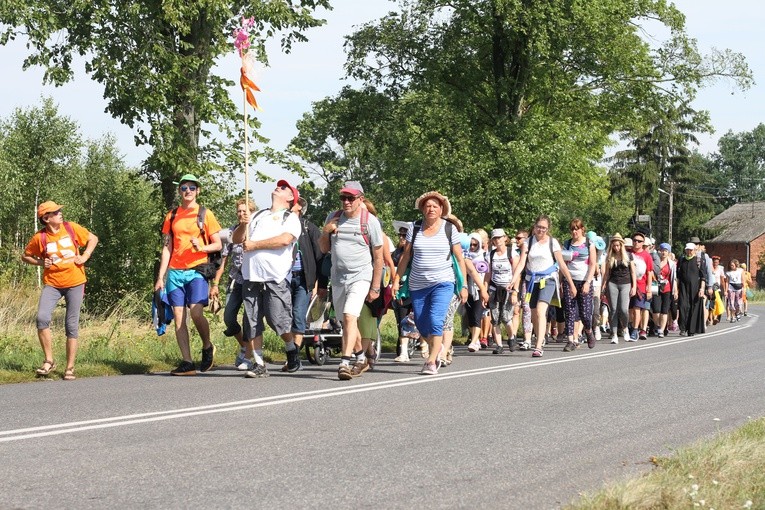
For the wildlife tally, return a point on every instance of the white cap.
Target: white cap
(690, 246)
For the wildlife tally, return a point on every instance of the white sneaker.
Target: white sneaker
(614, 338)
(597, 334)
(404, 358)
(626, 335)
(474, 347)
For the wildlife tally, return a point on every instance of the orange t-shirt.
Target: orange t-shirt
(63, 272)
(185, 228)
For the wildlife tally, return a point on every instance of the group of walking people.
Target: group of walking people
(539, 289)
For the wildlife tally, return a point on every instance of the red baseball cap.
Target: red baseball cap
(295, 192)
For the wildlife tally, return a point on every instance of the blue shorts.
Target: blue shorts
(186, 287)
(639, 301)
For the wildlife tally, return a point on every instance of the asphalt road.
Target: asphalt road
(490, 431)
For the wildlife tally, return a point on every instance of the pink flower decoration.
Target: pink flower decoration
(242, 35)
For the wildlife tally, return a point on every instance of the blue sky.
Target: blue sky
(314, 70)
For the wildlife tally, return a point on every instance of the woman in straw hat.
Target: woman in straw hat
(431, 277)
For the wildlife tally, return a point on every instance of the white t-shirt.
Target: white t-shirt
(735, 277)
(539, 257)
(580, 261)
(718, 273)
(432, 261)
(270, 265)
(501, 269)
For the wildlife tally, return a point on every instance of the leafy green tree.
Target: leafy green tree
(155, 61)
(740, 164)
(504, 106)
(39, 150)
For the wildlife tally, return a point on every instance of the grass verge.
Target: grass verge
(726, 472)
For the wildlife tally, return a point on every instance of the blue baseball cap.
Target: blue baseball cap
(665, 246)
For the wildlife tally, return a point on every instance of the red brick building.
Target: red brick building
(741, 235)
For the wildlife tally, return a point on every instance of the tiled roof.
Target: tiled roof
(740, 223)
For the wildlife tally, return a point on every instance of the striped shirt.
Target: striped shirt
(431, 261)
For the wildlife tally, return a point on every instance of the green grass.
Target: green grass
(726, 472)
(121, 341)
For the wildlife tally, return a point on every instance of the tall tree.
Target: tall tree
(740, 164)
(655, 157)
(155, 60)
(511, 104)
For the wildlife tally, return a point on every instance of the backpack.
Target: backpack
(69, 230)
(459, 278)
(364, 224)
(214, 259)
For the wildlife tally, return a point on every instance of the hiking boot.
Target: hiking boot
(499, 349)
(570, 346)
(293, 360)
(208, 358)
(344, 373)
(359, 368)
(257, 372)
(511, 344)
(185, 368)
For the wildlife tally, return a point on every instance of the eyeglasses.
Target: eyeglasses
(572, 229)
(402, 234)
(540, 227)
(185, 188)
(347, 198)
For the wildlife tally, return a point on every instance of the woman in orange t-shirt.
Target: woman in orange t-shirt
(57, 248)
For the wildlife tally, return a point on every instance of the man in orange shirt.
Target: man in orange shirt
(56, 247)
(183, 249)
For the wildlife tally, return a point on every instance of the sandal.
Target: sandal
(45, 371)
(69, 375)
(537, 353)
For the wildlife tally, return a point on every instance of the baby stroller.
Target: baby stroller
(324, 331)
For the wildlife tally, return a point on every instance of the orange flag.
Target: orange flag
(247, 82)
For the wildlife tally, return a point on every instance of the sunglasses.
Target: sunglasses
(282, 187)
(54, 213)
(520, 238)
(347, 198)
(638, 240)
(185, 188)
(474, 245)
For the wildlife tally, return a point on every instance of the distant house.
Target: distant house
(741, 235)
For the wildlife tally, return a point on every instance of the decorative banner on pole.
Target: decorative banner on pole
(242, 44)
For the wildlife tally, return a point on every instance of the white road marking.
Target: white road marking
(133, 419)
